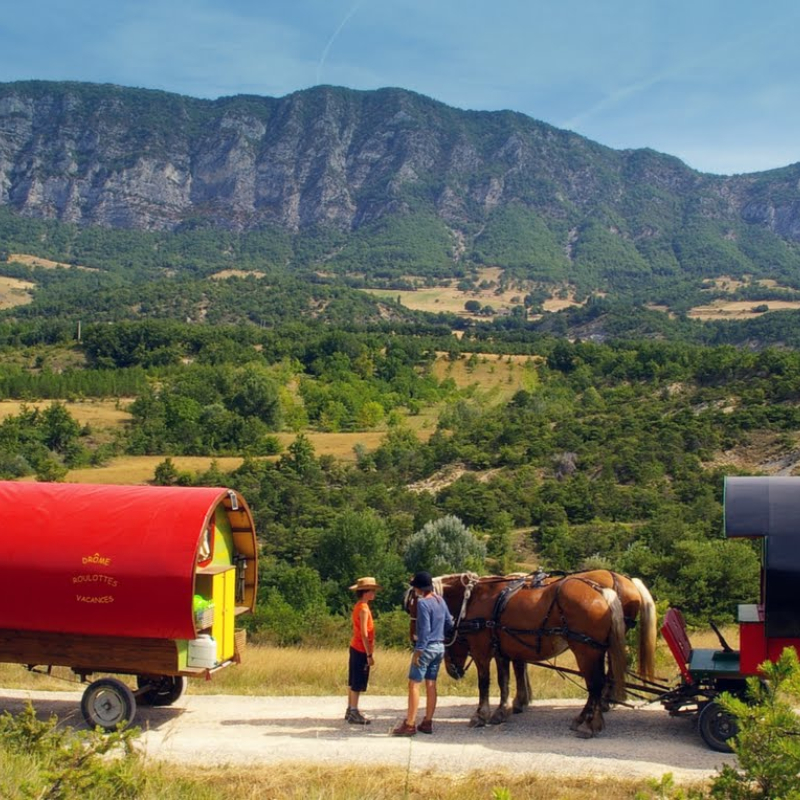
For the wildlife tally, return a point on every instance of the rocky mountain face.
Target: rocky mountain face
(130, 158)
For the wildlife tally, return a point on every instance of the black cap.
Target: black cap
(422, 580)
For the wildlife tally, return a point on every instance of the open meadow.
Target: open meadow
(447, 297)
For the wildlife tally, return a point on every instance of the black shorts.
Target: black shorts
(358, 673)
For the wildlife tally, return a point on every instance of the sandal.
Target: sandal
(404, 729)
(426, 726)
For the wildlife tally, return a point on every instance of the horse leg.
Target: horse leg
(481, 716)
(523, 695)
(503, 711)
(608, 689)
(592, 666)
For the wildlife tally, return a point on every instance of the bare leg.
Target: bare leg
(352, 698)
(413, 702)
(430, 699)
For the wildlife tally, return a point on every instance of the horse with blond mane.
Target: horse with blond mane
(530, 619)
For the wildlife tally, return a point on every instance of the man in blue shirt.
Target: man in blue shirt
(433, 619)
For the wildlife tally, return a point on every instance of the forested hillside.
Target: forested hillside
(613, 456)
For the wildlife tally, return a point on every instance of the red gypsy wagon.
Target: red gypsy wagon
(131, 580)
(767, 508)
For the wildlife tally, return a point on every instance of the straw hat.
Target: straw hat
(365, 585)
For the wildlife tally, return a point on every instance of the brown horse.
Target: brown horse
(638, 609)
(523, 620)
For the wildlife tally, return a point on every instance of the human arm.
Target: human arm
(424, 620)
(363, 616)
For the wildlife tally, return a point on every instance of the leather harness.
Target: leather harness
(528, 582)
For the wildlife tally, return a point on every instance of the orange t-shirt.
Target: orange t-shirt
(357, 642)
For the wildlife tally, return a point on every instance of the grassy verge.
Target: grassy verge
(22, 778)
(277, 671)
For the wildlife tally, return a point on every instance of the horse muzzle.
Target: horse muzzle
(457, 673)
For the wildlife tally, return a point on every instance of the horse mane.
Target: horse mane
(440, 580)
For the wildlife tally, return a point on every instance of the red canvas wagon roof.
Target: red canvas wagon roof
(103, 560)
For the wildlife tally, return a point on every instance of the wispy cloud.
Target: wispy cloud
(690, 67)
(333, 38)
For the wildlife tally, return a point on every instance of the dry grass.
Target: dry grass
(44, 263)
(299, 781)
(127, 470)
(298, 671)
(15, 292)
(236, 273)
(97, 413)
(725, 283)
(739, 309)
(498, 377)
(449, 298)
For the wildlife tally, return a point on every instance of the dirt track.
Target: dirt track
(223, 729)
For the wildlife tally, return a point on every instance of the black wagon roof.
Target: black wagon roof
(769, 507)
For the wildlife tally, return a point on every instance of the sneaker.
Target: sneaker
(426, 726)
(404, 729)
(355, 717)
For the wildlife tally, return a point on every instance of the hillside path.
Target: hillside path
(236, 730)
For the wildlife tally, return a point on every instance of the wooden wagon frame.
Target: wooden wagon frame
(130, 580)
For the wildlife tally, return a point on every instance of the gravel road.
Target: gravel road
(233, 730)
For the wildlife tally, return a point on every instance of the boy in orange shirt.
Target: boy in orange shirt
(362, 648)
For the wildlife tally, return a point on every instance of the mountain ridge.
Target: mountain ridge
(357, 161)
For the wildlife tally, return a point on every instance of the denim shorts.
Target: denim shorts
(429, 662)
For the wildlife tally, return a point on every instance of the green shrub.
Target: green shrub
(767, 746)
(61, 762)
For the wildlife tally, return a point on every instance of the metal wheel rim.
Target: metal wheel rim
(107, 706)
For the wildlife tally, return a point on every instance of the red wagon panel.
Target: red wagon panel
(102, 560)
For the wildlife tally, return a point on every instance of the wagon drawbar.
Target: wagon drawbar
(130, 580)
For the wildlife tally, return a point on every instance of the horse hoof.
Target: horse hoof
(518, 709)
(583, 733)
(477, 722)
(499, 717)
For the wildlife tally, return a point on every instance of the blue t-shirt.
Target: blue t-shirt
(432, 617)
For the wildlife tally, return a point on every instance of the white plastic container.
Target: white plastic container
(202, 652)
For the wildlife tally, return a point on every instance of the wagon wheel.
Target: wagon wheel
(717, 726)
(108, 703)
(160, 690)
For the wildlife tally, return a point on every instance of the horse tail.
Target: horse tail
(648, 633)
(618, 662)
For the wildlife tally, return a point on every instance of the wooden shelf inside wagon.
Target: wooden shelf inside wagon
(214, 569)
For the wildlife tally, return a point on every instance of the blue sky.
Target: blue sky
(714, 82)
